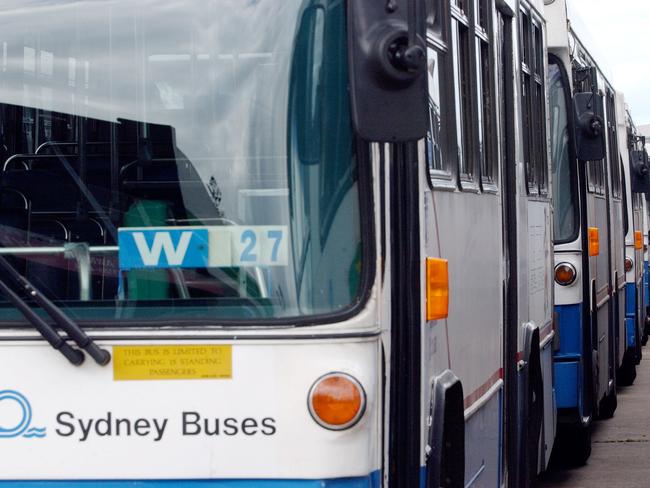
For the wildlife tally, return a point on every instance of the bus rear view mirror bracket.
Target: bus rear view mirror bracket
(387, 56)
(589, 126)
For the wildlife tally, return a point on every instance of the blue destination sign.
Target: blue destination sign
(164, 247)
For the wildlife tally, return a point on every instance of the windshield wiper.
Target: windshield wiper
(75, 356)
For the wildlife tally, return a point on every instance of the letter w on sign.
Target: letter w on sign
(164, 247)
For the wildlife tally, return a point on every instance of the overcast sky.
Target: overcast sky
(620, 30)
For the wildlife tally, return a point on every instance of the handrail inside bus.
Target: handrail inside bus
(81, 252)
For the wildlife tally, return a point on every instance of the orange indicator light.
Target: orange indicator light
(638, 240)
(437, 289)
(594, 241)
(337, 401)
(565, 274)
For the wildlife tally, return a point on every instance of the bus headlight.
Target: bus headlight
(337, 401)
(629, 264)
(565, 274)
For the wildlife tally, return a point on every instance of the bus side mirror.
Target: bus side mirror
(589, 126)
(639, 172)
(387, 56)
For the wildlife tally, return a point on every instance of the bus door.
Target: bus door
(535, 331)
(617, 235)
(613, 249)
(638, 269)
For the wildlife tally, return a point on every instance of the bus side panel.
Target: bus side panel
(550, 416)
(470, 239)
(483, 428)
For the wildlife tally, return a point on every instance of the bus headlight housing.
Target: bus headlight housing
(336, 401)
(565, 274)
(629, 264)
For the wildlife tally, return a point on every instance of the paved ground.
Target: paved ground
(620, 456)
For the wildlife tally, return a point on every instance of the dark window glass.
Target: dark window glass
(533, 104)
(564, 184)
(465, 110)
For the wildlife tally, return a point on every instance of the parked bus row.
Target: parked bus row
(311, 243)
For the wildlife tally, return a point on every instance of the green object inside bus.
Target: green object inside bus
(147, 284)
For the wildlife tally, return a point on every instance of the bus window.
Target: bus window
(533, 111)
(464, 109)
(438, 164)
(612, 144)
(438, 155)
(475, 104)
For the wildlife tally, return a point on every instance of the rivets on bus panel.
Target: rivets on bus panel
(565, 274)
(337, 401)
(629, 264)
(437, 289)
(638, 240)
(594, 241)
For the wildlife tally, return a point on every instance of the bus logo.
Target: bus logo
(158, 248)
(22, 428)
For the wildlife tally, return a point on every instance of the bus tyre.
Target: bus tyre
(627, 372)
(572, 445)
(608, 405)
(580, 445)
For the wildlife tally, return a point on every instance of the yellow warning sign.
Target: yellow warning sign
(180, 362)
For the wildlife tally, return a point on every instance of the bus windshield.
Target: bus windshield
(179, 160)
(564, 192)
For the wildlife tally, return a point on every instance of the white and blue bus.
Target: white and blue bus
(589, 203)
(182, 180)
(635, 164)
(487, 211)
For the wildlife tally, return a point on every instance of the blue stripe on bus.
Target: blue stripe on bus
(630, 332)
(570, 328)
(567, 377)
(646, 270)
(370, 481)
(630, 300)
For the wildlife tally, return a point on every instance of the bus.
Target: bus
(635, 301)
(487, 208)
(590, 204)
(184, 195)
(300, 243)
